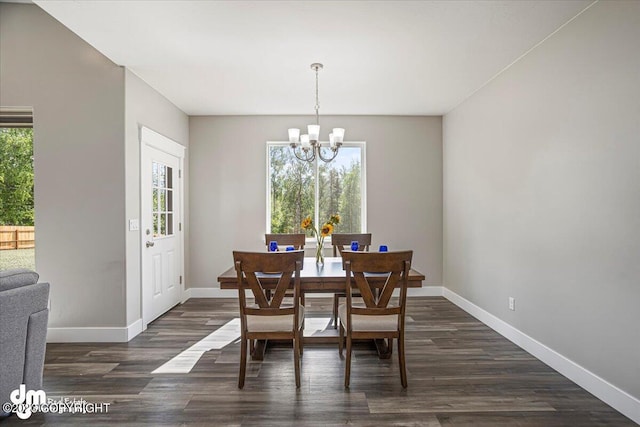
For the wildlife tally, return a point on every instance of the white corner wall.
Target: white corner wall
(87, 115)
(144, 106)
(77, 96)
(542, 196)
(228, 186)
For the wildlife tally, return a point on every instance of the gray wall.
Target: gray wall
(87, 115)
(77, 96)
(144, 106)
(228, 185)
(542, 194)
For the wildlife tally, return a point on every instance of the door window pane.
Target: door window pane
(169, 224)
(162, 200)
(156, 228)
(154, 174)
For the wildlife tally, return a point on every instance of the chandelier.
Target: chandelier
(308, 146)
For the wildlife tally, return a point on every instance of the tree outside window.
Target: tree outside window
(17, 236)
(16, 176)
(299, 189)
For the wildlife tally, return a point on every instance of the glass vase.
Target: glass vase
(320, 253)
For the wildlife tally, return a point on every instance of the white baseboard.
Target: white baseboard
(94, 334)
(134, 329)
(425, 291)
(603, 390)
(211, 293)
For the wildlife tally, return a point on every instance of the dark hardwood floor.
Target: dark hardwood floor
(461, 373)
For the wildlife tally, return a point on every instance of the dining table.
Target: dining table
(319, 278)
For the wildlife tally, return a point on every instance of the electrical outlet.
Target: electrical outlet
(512, 303)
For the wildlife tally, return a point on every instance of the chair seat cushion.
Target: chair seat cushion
(366, 323)
(282, 323)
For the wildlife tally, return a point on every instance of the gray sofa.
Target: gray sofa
(23, 330)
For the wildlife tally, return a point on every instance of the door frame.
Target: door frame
(153, 139)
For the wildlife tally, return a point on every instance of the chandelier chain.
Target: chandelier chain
(317, 100)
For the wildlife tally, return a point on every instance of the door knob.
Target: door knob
(149, 244)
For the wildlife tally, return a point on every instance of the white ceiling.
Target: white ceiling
(253, 57)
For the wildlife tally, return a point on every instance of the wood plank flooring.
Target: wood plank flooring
(461, 373)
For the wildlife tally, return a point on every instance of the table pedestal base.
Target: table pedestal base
(320, 337)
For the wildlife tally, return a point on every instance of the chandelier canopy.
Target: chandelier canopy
(308, 146)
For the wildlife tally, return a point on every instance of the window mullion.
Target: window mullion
(316, 202)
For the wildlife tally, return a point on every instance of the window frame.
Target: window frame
(165, 209)
(311, 241)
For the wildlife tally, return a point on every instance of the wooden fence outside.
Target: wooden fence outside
(17, 237)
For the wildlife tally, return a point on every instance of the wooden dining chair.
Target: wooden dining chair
(268, 318)
(296, 240)
(377, 318)
(340, 242)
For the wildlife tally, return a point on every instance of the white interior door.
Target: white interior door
(162, 259)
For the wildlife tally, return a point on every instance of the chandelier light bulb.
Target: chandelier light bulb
(314, 132)
(294, 135)
(304, 140)
(338, 135)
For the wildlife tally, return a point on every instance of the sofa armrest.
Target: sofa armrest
(23, 312)
(16, 278)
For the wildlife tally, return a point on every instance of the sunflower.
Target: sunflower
(326, 229)
(335, 219)
(307, 223)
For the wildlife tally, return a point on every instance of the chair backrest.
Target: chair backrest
(295, 239)
(340, 240)
(367, 267)
(255, 270)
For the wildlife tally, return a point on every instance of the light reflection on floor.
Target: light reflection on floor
(184, 362)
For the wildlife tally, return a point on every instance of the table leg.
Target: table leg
(384, 351)
(258, 351)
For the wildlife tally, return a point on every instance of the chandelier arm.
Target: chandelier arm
(327, 160)
(296, 149)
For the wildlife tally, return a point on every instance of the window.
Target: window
(17, 231)
(162, 200)
(297, 189)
